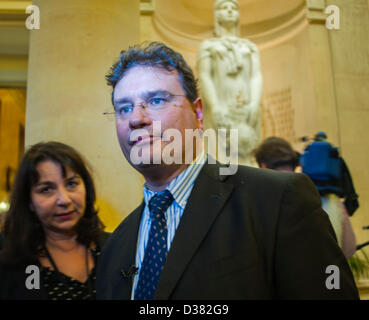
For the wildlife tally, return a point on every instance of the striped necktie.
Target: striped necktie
(156, 248)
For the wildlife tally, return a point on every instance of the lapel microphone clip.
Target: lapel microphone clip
(130, 273)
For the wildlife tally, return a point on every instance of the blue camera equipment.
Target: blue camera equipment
(322, 162)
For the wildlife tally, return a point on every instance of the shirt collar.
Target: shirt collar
(180, 184)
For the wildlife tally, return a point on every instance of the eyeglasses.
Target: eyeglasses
(154, 104)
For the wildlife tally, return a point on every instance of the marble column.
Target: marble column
(321, 66)
(69, 55)
(350, 52)
(341, 82)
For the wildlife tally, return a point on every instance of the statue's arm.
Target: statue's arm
(207, 87)
(256, 84)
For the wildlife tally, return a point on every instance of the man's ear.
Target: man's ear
(199, 112)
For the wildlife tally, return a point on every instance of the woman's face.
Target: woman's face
(227, 13)
(59, 202)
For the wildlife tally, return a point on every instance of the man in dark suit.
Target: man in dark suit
(200, 234)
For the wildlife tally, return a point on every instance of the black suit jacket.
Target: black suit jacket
(258, 234)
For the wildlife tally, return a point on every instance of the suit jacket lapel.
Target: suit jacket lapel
(207, 198)
(127, 256)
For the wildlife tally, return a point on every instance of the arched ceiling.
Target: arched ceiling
(193, 19)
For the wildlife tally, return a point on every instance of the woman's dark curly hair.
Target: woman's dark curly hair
(24, 236)
(154, 54)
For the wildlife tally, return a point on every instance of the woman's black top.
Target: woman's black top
(59, 286)
(53, 284)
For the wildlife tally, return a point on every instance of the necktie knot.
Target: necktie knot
(159, 203)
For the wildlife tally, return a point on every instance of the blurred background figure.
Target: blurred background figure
(322, 162)
(277, 153)
(51, 224)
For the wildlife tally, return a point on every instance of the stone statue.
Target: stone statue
(230, 79)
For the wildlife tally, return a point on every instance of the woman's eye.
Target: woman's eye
(44, 190)
(72, 184)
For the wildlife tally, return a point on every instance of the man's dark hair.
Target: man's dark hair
(24, 236)
(154, 54)
(276, 152)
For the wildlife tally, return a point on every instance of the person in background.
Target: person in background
(53, 226)
(276, 153)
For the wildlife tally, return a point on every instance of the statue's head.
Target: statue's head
(226, 15)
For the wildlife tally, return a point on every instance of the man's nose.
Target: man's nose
(63, 198)
(139, 118)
